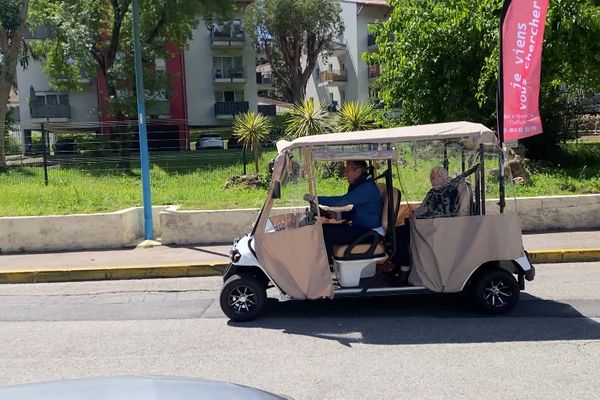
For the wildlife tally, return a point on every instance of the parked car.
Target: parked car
(134, 388)
(209, 141)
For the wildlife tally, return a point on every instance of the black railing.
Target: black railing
(50, 111)
(236, 73)
(268, 110)
(231, 107)
(219, 36)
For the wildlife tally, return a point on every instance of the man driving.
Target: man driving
(364, 195)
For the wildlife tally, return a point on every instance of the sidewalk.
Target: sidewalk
(193, 261)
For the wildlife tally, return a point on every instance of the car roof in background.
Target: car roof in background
(134, 388)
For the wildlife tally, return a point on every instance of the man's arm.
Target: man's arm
(357, 196)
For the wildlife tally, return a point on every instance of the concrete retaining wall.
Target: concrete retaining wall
(75, 232)
(537, 214)
(173, 226)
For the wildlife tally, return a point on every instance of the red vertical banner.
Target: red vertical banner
(522, 37)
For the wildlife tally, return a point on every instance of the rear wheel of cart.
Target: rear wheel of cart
(243, 297)
(496, 291)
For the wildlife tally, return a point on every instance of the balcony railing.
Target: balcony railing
(268, 110)
(227, 38)
(333, 76)
(264, 78)
(232, 75)
(50, 111)
(230, 108)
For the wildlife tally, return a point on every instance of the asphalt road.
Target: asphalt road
(433, 347)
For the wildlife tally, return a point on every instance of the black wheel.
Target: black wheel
(243, 297)
(496, 291)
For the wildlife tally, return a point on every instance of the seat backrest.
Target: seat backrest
(396, 199)
(465, 196)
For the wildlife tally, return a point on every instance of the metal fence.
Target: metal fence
(115, 148)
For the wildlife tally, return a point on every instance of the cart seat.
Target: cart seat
(359, 250)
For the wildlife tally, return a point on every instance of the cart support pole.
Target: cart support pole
(446, 162)
(482, 177)
(501, 188)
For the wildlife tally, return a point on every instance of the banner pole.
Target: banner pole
(500, 113)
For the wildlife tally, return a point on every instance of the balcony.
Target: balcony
(333, 78)
(374, 71)
(268, 110)
(233, 39)
(50, 111)
(236, 75)
(229, 109)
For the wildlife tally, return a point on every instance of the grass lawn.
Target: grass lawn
(195, 180)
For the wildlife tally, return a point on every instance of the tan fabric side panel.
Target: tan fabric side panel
(296, 260)
(446, 251)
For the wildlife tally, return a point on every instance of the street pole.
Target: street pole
(45, 153)
(144, 159)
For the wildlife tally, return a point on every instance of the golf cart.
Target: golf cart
(458, 240)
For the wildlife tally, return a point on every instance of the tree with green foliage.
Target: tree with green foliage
(13, 17)
(440, 61)
(252, 129)
(307, 118)
(89, 37)
(355, 116)
(293, 34)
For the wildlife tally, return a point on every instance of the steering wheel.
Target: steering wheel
(310, 215)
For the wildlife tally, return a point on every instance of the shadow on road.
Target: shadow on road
(429, 319)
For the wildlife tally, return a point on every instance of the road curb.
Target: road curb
(113, 273)
(564, 256)
(217, 268)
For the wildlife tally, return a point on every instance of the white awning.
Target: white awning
(471, 133)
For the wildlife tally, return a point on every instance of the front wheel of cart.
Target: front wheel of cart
(243, 297)
(496, 291)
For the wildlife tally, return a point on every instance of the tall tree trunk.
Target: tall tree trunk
(10, 48)
(121, 134)
(4, 94)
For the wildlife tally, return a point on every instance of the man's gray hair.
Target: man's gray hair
(359, 164)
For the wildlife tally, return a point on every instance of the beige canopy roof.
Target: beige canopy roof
(474, 134)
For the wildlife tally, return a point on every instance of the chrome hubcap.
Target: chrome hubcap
(497, 293)
(242, 299)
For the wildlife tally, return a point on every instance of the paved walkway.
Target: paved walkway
(179, 261)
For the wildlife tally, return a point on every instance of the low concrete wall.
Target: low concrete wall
(537, 214)
(214, 226)
(75, 232)
(558, 212)
(173, 226)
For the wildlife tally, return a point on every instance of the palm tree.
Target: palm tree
(251, 129)
(355, 116)
(307, 118)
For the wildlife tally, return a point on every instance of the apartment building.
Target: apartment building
(210, 81)
(344, 75)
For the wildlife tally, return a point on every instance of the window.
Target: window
(228, 67)
(229, 95)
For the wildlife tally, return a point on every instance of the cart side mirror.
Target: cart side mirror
(277, 190)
